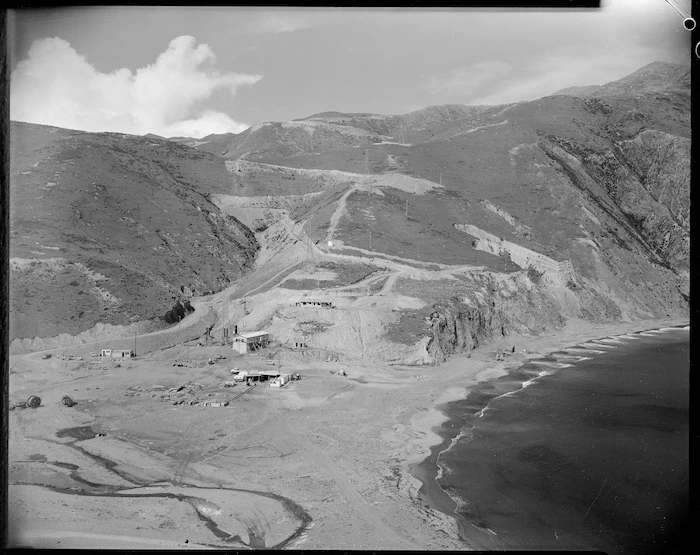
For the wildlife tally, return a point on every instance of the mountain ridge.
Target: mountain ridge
(655, 77)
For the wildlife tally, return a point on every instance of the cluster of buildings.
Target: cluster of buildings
(275, 377)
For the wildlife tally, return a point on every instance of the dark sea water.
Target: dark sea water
(592, 454)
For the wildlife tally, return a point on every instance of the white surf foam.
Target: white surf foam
(576, 350)
(611, 341)
(483, 411)
(572, 358)
(598, 345)
(529, 382)
(511, 393)
(550, 363)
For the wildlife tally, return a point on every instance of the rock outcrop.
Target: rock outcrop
(643, 183)
(456, 327)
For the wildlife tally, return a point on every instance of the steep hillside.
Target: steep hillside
(628, 154)
(113, 228)
(580, 205)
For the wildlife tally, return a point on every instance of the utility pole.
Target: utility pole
(370, 239)
(134, 342)
(407, 207)
(366, 162)
(440, 178)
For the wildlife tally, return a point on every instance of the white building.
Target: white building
(250, 341)
(118, 353)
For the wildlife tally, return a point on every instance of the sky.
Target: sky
(192, 71)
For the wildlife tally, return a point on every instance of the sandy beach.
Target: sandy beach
(321, 463)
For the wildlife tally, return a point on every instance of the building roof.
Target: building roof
(253, 334)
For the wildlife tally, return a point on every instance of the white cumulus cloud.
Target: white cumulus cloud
(55, 85)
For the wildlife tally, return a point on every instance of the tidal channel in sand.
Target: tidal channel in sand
(223, 511)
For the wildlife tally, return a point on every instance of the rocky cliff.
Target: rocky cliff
(643, 183)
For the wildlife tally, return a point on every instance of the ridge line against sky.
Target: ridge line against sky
(185, 71)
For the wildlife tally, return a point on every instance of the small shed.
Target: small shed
(250, 341)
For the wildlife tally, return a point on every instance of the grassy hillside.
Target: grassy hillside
(131, 210)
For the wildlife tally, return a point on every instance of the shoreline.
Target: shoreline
(347, 449)
(428, 471)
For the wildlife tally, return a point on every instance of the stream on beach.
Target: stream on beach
(204, 501)
(586, 448)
